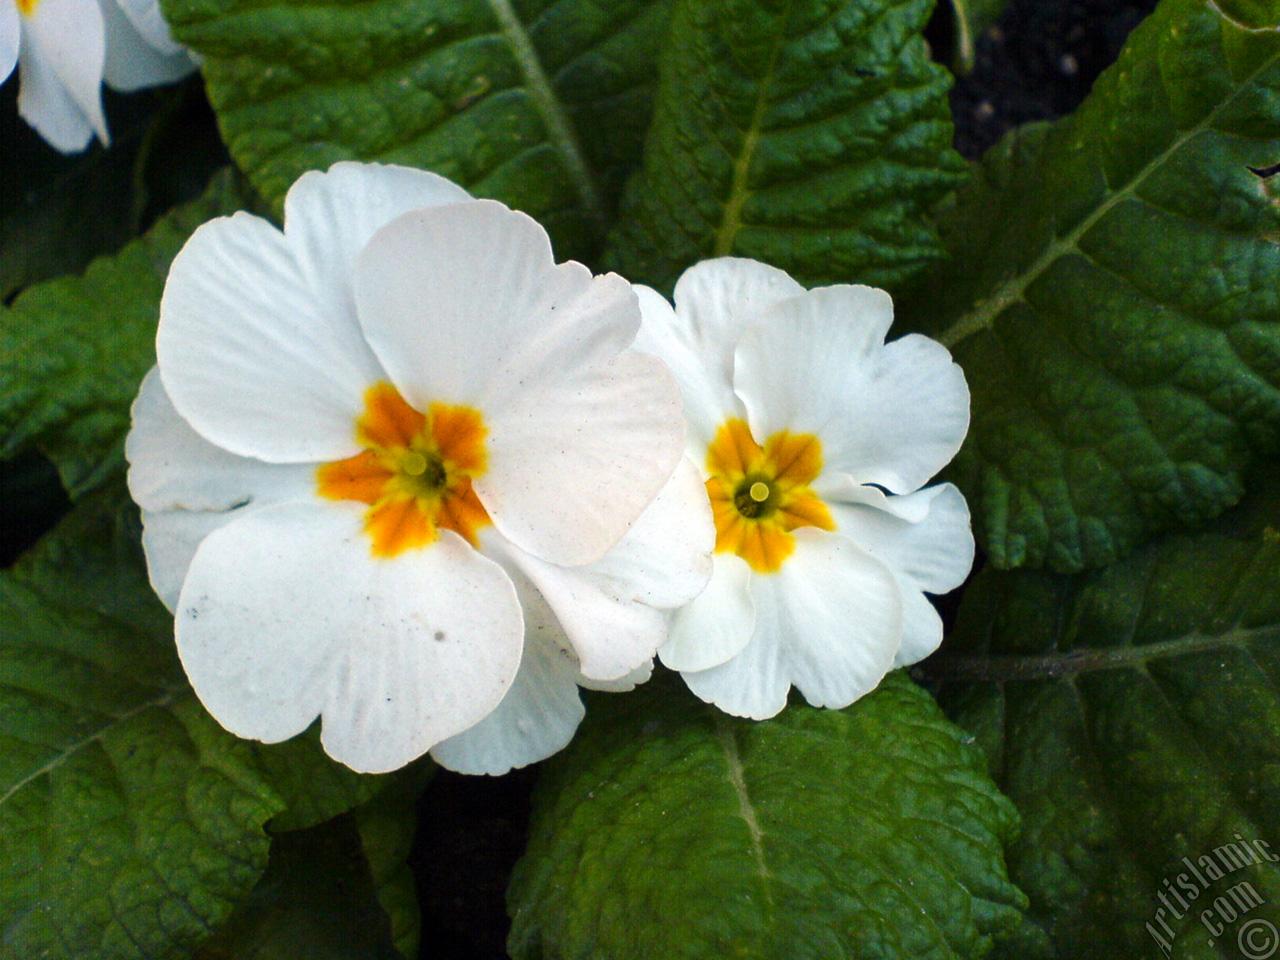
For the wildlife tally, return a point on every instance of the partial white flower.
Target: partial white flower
(67, 48)
(402, 471)
(815, 438)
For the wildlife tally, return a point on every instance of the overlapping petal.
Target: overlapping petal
(828, 622)
(60, 72)
(132, 61)
(715, 300)
(891, 415)
(466, 304)
(926, 539)
(285, 616)
(541, 711)
(611, 611)
(188, 488)
(718, 624)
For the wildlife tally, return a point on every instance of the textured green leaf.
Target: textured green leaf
(811, 134)
(1113, 294)
(387, 826)
(539, 103)
(316, 901)
(668, 829)
(1133, 714)
(73, 350)
(130, 822)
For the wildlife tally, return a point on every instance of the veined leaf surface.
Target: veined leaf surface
(1133, 714)
(1113, 293)
(537, 103)
(668, 829)
(811, 134)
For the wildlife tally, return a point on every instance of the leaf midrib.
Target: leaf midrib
(559, 129)
(1001, 668)
(737, 780)
(163, 699)
(731, 219)
(1014, 289)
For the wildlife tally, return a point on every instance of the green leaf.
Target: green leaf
(811, 134)
(316, 900)
(314, 788)
(668, 829)
(537, 103)
(73, 350)
(1133, 714)
(130, 822)
(387, 826)
(1113, 295)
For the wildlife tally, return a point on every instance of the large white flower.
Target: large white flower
(67, 48)
(815, 438)
(376, 438)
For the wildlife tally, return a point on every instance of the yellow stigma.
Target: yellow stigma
(27, 7)
(760, 494)
(414, 472)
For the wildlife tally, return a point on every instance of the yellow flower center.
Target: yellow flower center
(27, 7)
(760, 494)
(414, 472)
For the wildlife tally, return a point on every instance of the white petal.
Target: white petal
(10, 39)
(188, 488)
(147, 20)
(465, 304)
(61, 60)
(706, 389)
(829, 622)
(610, 609)
(924, 536)
(630, 681)
(254, 352)
(170, 539)
(753, 683)
(131, 62)
(574, 461)
(332, 215)
(540, 712)
(715, 300)
(285, 615)
(892, 415)
(921, 626)
(716, 626)
(171, 467)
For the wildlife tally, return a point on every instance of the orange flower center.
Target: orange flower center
(760, 494)
(414, 472)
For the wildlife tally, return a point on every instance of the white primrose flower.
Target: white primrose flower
(402, 471)
(815, 438)
(67, 48)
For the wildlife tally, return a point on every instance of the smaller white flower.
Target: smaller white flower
(401, 470)
(815, 437)
(68, 48)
